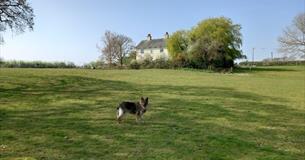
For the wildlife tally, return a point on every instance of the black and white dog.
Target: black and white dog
(136, 108)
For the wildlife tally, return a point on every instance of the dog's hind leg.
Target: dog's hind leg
(120, 114)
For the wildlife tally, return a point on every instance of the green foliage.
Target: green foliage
(36, 64)
(1, 61)
(161, 63)
(147, 62)
(69, 114)
(272, 63)
(177, 44)
(99, 64)
(134, 64)
(130, 57)
(216, 41)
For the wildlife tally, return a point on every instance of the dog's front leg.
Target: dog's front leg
(141, 117)
(137, 118)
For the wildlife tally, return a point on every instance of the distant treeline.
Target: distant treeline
(145, 64)
(273, 63)
(36, 64)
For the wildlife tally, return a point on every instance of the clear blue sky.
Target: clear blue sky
(68, 30)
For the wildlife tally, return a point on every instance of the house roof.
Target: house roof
(154, 43)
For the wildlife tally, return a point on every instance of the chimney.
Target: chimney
(166, 36)
(149, 37)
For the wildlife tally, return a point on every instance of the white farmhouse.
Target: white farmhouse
(155, 48)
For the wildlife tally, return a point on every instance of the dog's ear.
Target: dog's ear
(142, 99)
(146, 100)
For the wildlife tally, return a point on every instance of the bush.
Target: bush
(134, 64)
(1, 61)
(273, 63)
(180, 62)
(95, 65)
(161, 63)
(36, 64)
(147, 62)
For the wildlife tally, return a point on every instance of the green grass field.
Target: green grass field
(70, 114)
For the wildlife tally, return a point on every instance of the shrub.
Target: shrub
(1, 61)
(273, 63)
(134, 64)
(99, 64)
(180, 62)
(36, 64)
(161, 63)
(147, 62)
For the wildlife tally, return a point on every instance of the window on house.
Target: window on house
(161, 50)
(142, 50)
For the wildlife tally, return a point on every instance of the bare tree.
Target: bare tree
(292, 42)
(115, 47)
(109, 49)
(16, 15)
(124, 46)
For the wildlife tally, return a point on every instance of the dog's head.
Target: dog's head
(144, 103)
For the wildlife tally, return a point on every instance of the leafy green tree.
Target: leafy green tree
(215, 42)
(177, 44)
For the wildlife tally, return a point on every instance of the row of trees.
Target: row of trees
(215, 42)
(275, 62)
(35, 64)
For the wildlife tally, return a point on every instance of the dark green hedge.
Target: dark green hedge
(36, 64)
(273, 63)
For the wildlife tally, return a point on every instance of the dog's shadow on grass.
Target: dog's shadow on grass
(72, 117)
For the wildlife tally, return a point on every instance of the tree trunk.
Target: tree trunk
(121, 62)
(121, 56)
(110, 61)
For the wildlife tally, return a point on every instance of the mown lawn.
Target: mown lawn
(70, 114)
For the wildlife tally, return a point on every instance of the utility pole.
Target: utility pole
(271, 56)
(253, 55)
